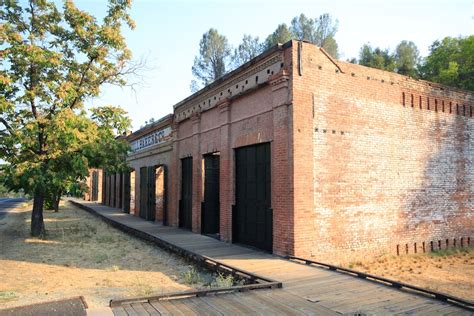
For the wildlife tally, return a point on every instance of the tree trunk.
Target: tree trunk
(57, 199)
(37, 223)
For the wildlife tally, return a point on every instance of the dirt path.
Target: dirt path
(448, 271)
(81, 255)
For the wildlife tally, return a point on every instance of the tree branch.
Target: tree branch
(7, 126)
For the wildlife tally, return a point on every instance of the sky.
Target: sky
(168, 32)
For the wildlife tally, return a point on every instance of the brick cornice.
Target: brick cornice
(279, 80)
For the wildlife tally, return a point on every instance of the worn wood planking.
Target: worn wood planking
(140, 309)
(119, 311)
(302, 304)
(168, 306)
(334, 288)
(181, 305)
(150, 309)
(160, 308)
(200, 307)
(129, 309)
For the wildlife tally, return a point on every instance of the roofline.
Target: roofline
(247, 65)
(150, 127)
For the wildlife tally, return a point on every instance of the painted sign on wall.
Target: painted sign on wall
(155, 138)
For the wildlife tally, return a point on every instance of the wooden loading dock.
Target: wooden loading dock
(306, 289)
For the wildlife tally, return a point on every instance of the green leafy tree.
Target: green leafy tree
(249, 48)
(407, 58)
(319, 31)
(213, 59)
(376, 58)
(451, 62)
(52, 60)
(281, 35)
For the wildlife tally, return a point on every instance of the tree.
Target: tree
(52, 60)
(213, 59)
(319, 31)
(376, 58)
(247, 50)
(407, 58)
(451, 62)
(303, 28)
(281, 35)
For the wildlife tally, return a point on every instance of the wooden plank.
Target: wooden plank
(150, 309)
(435, 309)
(201, 307)
(160, 308)
(339, 293)
(456, 312)
(301, 304)
(393, 305)
(282, 304)
(358, 304)
(119, 311)
(309, 288)
(243, 306)
(167, 305)
(181, 306)
(223, 305)
(129, 309)
(139, 309)
(257, 304)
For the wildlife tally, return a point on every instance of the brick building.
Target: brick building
(297, 153)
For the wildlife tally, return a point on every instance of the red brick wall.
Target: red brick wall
(257, 115)
(385, 173)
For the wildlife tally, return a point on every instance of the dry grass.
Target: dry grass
(449, 271)
(81, 255)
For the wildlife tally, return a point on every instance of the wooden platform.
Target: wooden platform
(307, 290)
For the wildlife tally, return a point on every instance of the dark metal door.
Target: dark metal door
(126, 192)
(95, 186)
(143, 192)
(253, 219)
(109, 190)
(185, 203)
(151, 184)
(211, 206)
(113, 188)
(120, 190)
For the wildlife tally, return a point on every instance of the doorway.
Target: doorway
(252, 216)
(185, 203)
(210, 209)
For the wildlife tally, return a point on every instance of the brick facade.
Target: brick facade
(363, 161)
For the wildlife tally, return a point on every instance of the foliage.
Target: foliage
(376, 58)
(192, 276)
(281, 35)
(319, 31)
(249, 48)
(52, 61)
(213, 59)
(407, 58)
(451, 62)
(216, 58)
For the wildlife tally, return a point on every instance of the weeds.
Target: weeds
(7, 296)
(105, 239)
(447, 252)
(222, 281)
(100, 257)
(143, 289)
(192, 276)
